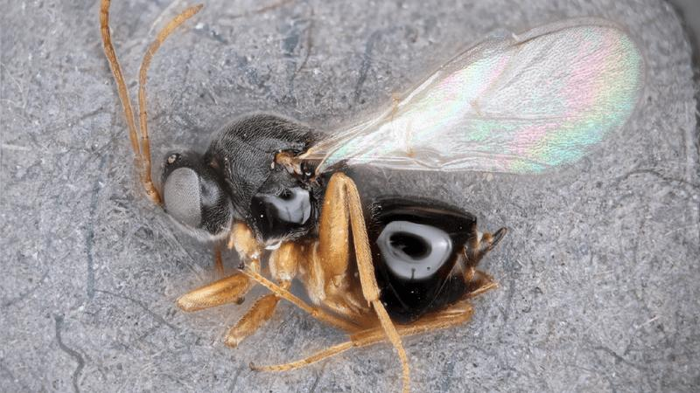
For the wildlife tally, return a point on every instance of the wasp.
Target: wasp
(276, 191)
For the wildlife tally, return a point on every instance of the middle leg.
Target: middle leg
(230, 289)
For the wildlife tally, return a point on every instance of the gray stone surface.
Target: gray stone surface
(599, 275)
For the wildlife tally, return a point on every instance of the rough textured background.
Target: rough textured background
(599, 274)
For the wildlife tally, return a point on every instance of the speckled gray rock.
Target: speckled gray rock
(599, 275)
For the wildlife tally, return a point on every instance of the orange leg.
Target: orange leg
(341, 220)
(283, 268)
(315, 312)
(480, 283)
(218, 261)
(331, 278)
(456, 314)
(453, 316)
(230, 289)
(257, 315)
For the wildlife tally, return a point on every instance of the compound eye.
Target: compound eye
(279, 215)
(414, 251)
(182, 197)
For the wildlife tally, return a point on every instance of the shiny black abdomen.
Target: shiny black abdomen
(416, 244)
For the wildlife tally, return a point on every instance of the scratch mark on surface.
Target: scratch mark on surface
(292, 46)
(70, 123)
(510, 296)
(28, 292)
(172, 240)
(7, 371)
(73, 353)
(155, 316)
(18, 85)
(90, 236)
(447, 380)
(619, 358)
(318, 377)
(6, 146)
(603, 375)
(367, 58)
(658, 175)
(263, 9)
(147, 333)
(12, 377)
(366, 63)
(211, 33)
(647, 322)
(309, 42)
(235, 378)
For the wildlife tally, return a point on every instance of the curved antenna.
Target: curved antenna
(143, 73)
(118, 77)
(139, 140)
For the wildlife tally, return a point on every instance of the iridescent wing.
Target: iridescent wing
(513, 103)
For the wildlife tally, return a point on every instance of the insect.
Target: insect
(394, 266)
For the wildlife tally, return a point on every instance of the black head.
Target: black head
(194, 196)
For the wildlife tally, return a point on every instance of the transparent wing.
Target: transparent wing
(513, 103)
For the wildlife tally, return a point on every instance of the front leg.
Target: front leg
(230, 289)
(283, 268)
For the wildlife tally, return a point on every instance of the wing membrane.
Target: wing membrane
(517, 104)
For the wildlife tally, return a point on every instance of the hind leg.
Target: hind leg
(453, 316)
(342, 214)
